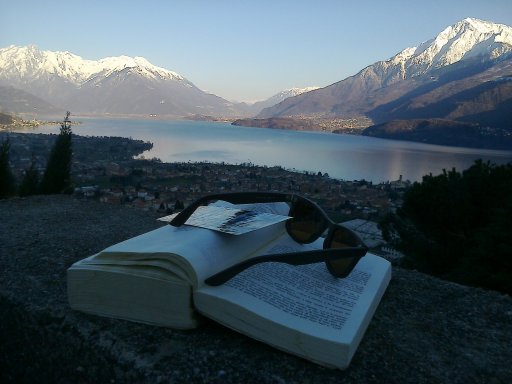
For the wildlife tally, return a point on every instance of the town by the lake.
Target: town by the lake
(112, 170)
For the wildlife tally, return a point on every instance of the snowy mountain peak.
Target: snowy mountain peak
(473, 37)
(28, 63)
(465, 39)
(291, 92)
(481, 26)
(119, 63)
(296, 91)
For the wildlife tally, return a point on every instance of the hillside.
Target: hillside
(5, 119)
(16, 101)
(461, 92)
(443, 132)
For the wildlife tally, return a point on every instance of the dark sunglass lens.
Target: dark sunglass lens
(341, 238)
(341, 267)
(307, 223)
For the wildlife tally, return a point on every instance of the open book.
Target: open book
(158, 278)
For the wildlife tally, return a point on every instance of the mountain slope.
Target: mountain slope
(279, 97)
(443, 132)
(115, 85)
(14, 100)
(470, 45)
(448, 92)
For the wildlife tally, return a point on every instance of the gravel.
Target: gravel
(425, 330)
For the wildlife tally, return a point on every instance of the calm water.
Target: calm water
(345, 157)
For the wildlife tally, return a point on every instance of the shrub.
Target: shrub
(57, 175)
(30, 183)
(458, 226)
(7, 180)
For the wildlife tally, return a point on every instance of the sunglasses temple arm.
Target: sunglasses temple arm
(230, 272)
(293, 258)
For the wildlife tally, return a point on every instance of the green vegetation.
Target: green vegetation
(30, 183)
(57, 175)
(458, 226)
(7, 181)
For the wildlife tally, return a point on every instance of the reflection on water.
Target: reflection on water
(341, 156)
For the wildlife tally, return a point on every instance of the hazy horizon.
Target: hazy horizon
(241, 51)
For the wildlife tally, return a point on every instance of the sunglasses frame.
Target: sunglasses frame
(293, 258)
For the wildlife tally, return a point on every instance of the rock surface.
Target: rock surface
(425, 330)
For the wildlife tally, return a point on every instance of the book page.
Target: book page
(304, 292)
(198, 252)
(300, 309)
(307, 298)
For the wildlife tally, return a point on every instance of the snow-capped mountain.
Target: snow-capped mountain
(258, 106)
(469, 45)
(26, 63)
(469, 38)
(277, 98)
(460, 58)
(115, 85)
(29, 62)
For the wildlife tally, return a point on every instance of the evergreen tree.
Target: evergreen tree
(30, 183)
(458, 226)
(57, 176)
(7, 181)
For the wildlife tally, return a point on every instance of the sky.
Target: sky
(241, 50)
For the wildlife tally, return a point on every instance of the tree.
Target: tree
(458, 226)
(30, 183)
(57, 175)
(178, 205)
(7, 180)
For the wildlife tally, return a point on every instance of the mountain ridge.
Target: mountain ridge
(462, 74)
(70, 66)
(462, 78)
(468, 39)
(113, 85)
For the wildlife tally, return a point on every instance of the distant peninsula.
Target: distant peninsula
(431, 131)
(353, 125)
(8, 122)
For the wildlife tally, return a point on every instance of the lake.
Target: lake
(347, 157)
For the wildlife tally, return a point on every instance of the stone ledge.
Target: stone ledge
(425, 330)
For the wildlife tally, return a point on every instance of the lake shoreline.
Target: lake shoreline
(428, 131)
(342, 156)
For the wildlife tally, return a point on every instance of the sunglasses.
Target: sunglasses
(342, 248)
